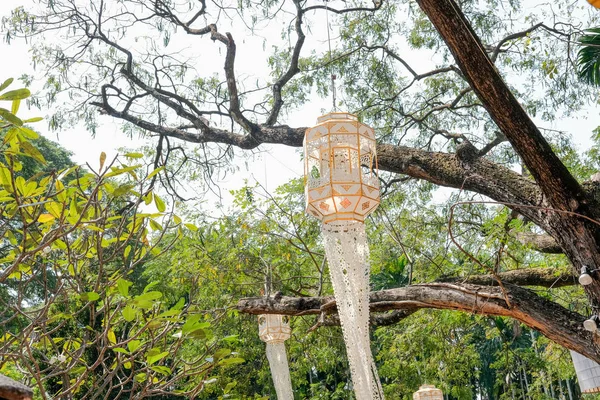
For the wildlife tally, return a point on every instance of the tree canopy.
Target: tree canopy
(458, 93)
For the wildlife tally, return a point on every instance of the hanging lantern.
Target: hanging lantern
(342, 188)
(274, 330)
(588, 373)
(595, 3)
(428, 392)
(340, 168)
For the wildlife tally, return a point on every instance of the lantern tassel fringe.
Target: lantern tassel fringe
(280, 371)
(347, 251)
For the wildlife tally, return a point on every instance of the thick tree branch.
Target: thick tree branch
(540, 242)
(544, 277)
(291, 71)
(560, 188)
(552, 320)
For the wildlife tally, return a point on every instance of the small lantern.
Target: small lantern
(274, 328)
(428, 392)
(588, 373)
(340, 167)
(595, 3)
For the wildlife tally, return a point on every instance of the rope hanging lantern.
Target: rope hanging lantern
(274, 330)
(342, 188)
(588, 373)
(428, 392)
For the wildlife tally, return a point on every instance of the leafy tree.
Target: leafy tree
(89, 332)
(588, 58)
(464, 122)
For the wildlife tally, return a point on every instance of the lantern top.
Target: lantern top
(336, 115)
(428, 392)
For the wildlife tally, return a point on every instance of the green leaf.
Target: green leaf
(160, 204)
(155, 225)
(54, 208)
(18, 94)
(32, 120)
(134, 155)
(128, 313)
(123, 286)
(221, 353)
(28, 133)
(152, 356)
(89, 296)
(120, 350)
(156, 171)
(110, 335)
(191, 227)
(146, 300)
(133, 345)
(43, 218)
(31, 151)
(6, 84)
(15, 106)
(10, 117)
(161, 369)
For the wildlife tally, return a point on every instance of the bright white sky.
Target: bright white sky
(272, 167)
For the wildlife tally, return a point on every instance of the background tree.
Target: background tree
(457, 124)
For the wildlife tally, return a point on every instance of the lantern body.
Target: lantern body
(588, 373)
(595, 3)
(428, 392)
(274, 328)
(340, 167)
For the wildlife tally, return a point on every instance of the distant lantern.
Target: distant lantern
(588, 373)
(274, 330)
(428, 392)
(340, 168)
(595, 3)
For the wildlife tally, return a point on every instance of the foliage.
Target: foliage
(588, 57)
(73, 241)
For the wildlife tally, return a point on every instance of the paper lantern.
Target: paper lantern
(595, 3)
(342, 188)
(588, 373)
(274, 330)
(428, 392)
(340, 167)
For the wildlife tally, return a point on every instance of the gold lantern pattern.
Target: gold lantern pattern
(274, 330)
(428, 392)
(340, 168)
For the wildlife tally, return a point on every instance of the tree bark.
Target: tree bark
(565, 202)
(549, 318)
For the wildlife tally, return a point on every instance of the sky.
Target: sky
(271, 166)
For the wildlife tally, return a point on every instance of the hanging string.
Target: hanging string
(333, 77)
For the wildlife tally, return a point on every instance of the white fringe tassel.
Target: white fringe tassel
(280, 370)
(347, 251)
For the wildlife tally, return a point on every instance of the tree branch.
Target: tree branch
(560, 188)
(540, 242)
(544, 277)
(549, 318)
(291, 71)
